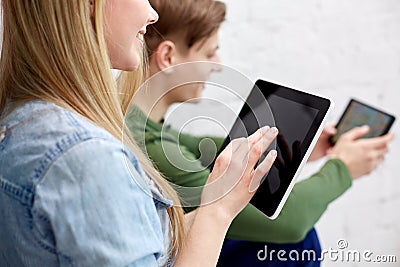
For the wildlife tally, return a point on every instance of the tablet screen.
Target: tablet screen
(358, 114)
(298, 116)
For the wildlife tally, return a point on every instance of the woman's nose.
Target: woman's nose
(153, 16)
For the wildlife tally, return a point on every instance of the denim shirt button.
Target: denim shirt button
(160, 199)
(2, 133)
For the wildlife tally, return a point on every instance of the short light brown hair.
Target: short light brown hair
(189, 20)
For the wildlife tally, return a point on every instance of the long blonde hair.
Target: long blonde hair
(56, 51)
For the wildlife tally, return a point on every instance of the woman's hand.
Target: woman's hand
(361, 156)
(234, 179)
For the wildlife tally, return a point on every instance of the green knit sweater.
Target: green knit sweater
(307, 202)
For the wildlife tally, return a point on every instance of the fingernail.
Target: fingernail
(274, 130)
(265, 129)
(273, 153)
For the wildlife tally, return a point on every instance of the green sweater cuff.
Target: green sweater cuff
(305, 205)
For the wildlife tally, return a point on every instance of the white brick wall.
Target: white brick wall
(340, 49)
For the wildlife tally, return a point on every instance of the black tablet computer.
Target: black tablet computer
(358, 114)
(300, 118)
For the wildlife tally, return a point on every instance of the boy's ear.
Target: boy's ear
(165, 55)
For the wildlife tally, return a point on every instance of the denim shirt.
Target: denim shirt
(71, 195)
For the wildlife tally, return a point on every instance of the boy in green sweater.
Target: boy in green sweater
(187, 31)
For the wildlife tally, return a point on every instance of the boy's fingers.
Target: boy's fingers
(379, 142)
(330, 129)
(356, 133)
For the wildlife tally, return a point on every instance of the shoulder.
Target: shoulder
(38, 134)
(77, 176)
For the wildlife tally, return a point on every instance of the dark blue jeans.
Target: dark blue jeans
(237, 253)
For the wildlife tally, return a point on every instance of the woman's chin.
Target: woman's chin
(195, 100)
(129, 64)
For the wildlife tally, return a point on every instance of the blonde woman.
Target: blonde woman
(71, 194)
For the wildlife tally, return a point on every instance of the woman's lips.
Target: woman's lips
(140, 36)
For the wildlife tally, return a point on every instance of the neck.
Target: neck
(150, 101)
(155, 112)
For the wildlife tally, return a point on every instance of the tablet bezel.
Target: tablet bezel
(323, 105)
(352, 100)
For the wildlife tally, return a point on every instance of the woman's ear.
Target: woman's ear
(165, 55)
